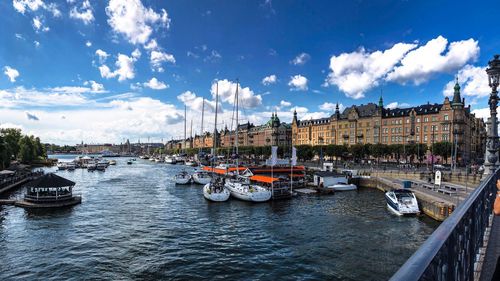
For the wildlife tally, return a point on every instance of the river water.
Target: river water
(134, 223)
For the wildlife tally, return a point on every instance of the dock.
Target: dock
(436, 202)
(7, 202)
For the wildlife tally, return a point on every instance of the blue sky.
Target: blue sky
(104, 71)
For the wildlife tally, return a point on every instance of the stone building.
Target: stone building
(450, 121)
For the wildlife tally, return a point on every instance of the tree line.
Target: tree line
(16, 146)
(415, 152)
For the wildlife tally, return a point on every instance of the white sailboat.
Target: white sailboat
(215, 190)
(240, 186)
(182, 178)
(202, 177)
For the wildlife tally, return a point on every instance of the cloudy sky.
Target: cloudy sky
(104, 71)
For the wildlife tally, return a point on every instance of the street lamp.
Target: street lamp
(491, 156)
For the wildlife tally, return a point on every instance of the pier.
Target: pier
(464, 246)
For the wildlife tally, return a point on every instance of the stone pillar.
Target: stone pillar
(491, 155)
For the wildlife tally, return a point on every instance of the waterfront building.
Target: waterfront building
(449, 121)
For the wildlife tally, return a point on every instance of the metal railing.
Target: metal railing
(450, 252)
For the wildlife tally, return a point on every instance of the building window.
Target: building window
(425, 138)
(446, 117)
(418, 120)
(426, 119)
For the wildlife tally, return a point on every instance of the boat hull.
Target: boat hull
(215, 196)
(258, 195)
(399, 210)
(183, 180)
(343, 187)
(201, 180)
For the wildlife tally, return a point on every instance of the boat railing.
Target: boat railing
(451, 250)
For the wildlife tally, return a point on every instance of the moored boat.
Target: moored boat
(241, 188)
(402, 202)
(170, 160)
(343, 186)
(215, 190)
(202, 177)
(182, 178)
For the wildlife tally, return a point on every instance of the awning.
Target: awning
(264, 179)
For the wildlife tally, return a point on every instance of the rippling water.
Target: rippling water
(134, 223)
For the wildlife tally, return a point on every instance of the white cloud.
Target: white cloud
(38, 25)
(22, 5)
(155, 84)
(136, 54)
(19, 36)
(473, 80)
(57, 96)
(151, 45)
(83, 12)
(214, 56)
(357, 72)
(37, 44)
(330, 107)
(396, 104)
(11, 73)
(434, 57)
(284, 103)
(195, 103)
(136, 22)
(95, 87)
(268, 80)
(124, 68)
(227, 90)
(102, 55)
(298, 83)
(301, 59)
(158, 57)
(88, 44)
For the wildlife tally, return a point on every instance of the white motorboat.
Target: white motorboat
(102, 165)
(182, 178)
(91, 166)
(202, 177)
(190, 163)
(343, 186)
(170, 160)
(62, 166)
(241, 188)
(71, 166)
(158, 160)
(402, 202)
(216, 191)
(112, 162)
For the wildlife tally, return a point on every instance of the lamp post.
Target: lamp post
(491, 154)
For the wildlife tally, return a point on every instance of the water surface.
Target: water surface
(134, 223)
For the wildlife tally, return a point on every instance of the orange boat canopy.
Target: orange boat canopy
(223, 171)
(265, 179)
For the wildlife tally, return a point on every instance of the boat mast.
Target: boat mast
(237, 125)
(214, 137)
(184, 128)
(202, 134)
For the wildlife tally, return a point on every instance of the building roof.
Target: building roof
(364, 110)
(51, 180)
(419, 110)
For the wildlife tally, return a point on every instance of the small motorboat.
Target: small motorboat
(402, 202)
(112, 162)
(129, 162)
(61, 166)
(202, 177)
(340, 186)
(216, 191)
(170, 160)
(190, 163)
(102, 165)
(182, 178)
(71, 166)
(91, 166)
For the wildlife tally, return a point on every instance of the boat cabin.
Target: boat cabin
(325, 178)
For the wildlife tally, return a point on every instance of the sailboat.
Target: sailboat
(240, 186)
(201, 177)
(215, 190)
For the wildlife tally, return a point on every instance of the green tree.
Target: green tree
(442, 149)
(12, 138)
(27, 151)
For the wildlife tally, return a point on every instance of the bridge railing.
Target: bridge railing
(450, 252)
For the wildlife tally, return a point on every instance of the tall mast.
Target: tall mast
(214, 137)
(202, 133)
(184, 128)
(237, 125)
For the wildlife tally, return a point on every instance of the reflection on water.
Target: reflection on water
(134, 223)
